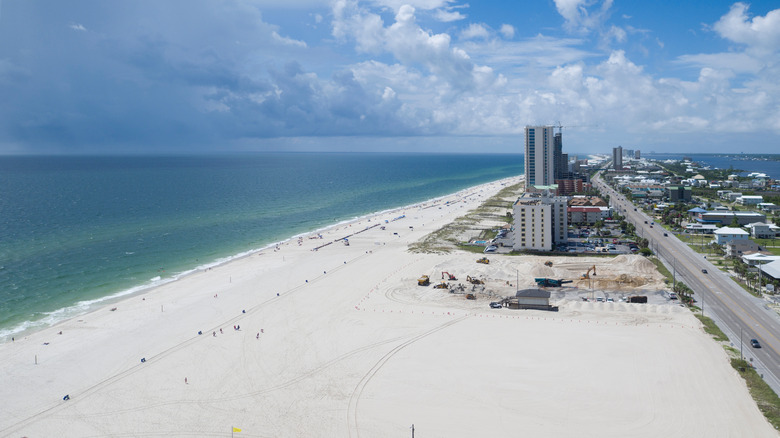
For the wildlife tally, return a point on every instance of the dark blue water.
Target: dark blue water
(75, 230)
(768, 164)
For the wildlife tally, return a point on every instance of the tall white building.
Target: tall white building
(540, 155)
(540, 220)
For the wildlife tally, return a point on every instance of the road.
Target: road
(740, 315)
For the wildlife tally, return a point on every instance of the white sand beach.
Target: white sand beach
(341, 342)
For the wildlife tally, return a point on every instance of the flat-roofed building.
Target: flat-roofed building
(727, 234)
(750, 200)
(727, 217)
(540, 157)
(541, 221)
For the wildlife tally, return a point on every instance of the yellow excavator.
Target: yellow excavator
(423, 281)
(587, 274)
(473, 280)
(442, 285)
(483, 260)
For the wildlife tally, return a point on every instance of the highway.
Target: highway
(739, 314)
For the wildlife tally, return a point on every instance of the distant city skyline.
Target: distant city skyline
(197, 76)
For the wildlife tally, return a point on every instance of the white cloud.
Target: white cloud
(447, 16)
(732, 61)
(287, 41)
(508, 31)
(579, 15)
(616, 33)
(762, 33)
(475, 30)
(78, 27)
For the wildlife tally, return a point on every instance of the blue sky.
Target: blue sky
(387, 75)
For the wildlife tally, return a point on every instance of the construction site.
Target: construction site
(544, 283)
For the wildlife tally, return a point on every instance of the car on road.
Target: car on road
(755, 343)
(703, 271)
(666, 235)
(645, 221)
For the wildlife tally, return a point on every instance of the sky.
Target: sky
(200, 76)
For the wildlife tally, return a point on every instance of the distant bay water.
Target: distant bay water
(766, 163)
(77, 231)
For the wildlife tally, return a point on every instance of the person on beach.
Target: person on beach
(185, 381)
(214, 334)
(220, 331)
(258, 335)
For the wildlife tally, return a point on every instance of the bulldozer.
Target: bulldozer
(548, 263)
(483, 260)
(442, 285)
(471, 297)
(449, 276)
(423, 281)
(586, 275)
(473, 280)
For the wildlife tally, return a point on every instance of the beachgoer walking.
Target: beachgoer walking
(220, 331)
(185, 381)
(214, 334)
(258, 335)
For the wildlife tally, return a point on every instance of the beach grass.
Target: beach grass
(768, 402)
(711, 328)
(470, 226)
(766, 399)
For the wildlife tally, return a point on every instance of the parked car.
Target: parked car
(495, 305)
(491, 248)
(755, 343)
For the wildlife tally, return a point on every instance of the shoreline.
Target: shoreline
(84, 307)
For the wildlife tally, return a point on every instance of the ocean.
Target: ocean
(76, 232)
(768, 164)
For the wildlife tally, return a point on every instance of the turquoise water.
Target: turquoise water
(76, 231)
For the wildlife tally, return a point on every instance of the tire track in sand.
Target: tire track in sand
(354, 399)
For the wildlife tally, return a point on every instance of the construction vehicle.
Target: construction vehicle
(637, 299)
(587, 274)
(471, 297)
(448, 276)
(548, 263)
(473, 280)
(442, 285)
(423, 281)
(483, 260)
(550, 282)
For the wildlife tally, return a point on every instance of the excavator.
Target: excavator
(548, 263)
(442, 285)
(423, 281)
(473, 280)
(587, 274)
(483, 260)
(448, 276)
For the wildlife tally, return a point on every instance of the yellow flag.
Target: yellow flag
(235, 429)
